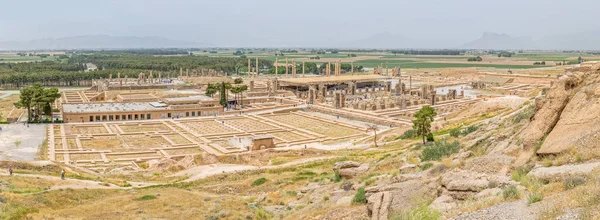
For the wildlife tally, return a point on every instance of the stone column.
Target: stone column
(293, 69)
(276, 70)
(256, 67)
(302, 68)
(249, 68)
(410, 84)
(286, 67)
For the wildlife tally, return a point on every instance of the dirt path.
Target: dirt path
(510, 210)
(69, 183)
(204, 171)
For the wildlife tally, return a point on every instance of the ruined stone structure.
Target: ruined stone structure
(339, 99)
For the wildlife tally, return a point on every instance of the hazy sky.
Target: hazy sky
(300, 23)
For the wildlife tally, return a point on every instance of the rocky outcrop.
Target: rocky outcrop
(581, 119)
(443, 204)
(350, 169)
(560, 173)
(548, 110)
(408, 168)
(490, 164)
(462, 184)
(568, 114)
(393, 198)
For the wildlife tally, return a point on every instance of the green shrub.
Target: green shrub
(408, 134)
(526, 113)
(439, 149)
(534, 197)
(337, 177)
(469, 130)
(573, 182)
(426, 166)
(259, 181)
(455, 132)
(359, 197)
(420, 212)
(510, 192)
(430, 138)
(520, 172)
(291, 193)
(146, 197)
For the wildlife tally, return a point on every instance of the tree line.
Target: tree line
(38, 101)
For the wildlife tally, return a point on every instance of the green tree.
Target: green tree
(211, 89)
(223, 88)
(238, 81)
(26, 99)
(422, 122)
(49, 96)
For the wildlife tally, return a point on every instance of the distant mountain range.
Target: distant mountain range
(98, 42)
(385, 40)
(500, 41)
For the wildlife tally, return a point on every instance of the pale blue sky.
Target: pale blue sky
(295, 23)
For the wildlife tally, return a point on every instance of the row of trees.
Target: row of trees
(38, 101)
(57, 78)
(54, 73)
(428, 52)
(224, 88)
(475, 59)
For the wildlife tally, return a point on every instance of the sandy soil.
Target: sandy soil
(200, 172)
(31, 138)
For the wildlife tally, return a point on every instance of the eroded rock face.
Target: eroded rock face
(490, 164)
(443, 204)
(581, 116)
(350, 169)
(548, 110)
(560, 173)
(568, 114)
(393, 198)
(462, 184)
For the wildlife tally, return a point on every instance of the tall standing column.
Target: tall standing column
(276, 70)
(286, 67)
(302, 68)
(293, 69)
(352, 67)
(329, 69)
(249, 67)
(410, 85)
(256, 67)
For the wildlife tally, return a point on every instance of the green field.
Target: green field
(555, 56)
(413, 64)
(15, 58)
(426, 57)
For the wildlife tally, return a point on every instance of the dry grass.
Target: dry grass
(102, 144)
(141, 141)
(320, 127)
(178, 139)
(6, 104)
(144, 128)
(471, 205)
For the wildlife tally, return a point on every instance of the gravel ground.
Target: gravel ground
(31, 138)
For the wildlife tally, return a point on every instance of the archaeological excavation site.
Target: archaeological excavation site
(323, 110)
